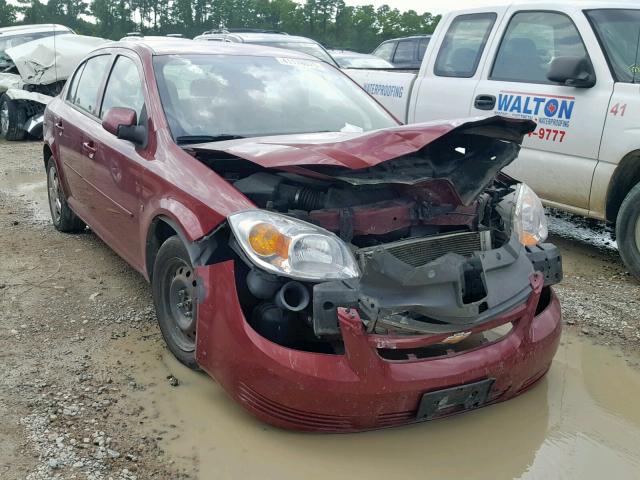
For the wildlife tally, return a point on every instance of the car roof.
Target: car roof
(348, 53)
(43, 27)
(262, 37)
(177, 46)
(550, 5)
(410, 37)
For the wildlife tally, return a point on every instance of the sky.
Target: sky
(431, 6)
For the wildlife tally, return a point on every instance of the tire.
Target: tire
(12, 119)
(628, 231)
(174, 296)
(63, 218)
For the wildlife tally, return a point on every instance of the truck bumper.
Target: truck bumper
(361, 390)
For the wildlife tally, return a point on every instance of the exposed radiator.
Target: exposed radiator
(420, 251)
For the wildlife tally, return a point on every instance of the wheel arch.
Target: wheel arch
(625, 177)
(201, 249)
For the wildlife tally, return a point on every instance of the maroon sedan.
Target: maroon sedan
(331, 269)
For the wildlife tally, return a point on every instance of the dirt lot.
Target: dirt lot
(87, 389)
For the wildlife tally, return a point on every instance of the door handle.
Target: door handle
(485, 102)
(59, 126)
(90, 148)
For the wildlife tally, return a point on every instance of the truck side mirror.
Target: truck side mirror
(572, 72)
(123, 123)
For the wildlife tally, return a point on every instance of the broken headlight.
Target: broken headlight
(529, 220)
(292, 248)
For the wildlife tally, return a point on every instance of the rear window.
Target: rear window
(406, 52)
(463, 45)
(618, 31)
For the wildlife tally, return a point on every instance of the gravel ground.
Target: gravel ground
(72, 406)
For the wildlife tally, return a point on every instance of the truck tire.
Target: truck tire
(173, 285)
(628, 231)
(12, 119)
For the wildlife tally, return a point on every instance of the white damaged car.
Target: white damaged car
(31, 74)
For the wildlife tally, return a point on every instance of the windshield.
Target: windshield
(363, 62)
(619, 33)
(243, 96)
(309, 48)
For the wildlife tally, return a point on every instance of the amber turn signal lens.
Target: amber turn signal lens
(528, 240)
(266, 241)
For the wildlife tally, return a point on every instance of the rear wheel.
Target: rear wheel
(628, 231)
(174, 295)
(62, 216)
(12, 119)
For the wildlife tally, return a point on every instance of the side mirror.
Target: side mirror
(123, 123)
(572, 72)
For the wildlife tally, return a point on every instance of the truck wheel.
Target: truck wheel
(12, 119)
(174, 296)
(628, 231)
(63, 218)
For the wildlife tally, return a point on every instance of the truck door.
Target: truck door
(450, 72)
(559, 157)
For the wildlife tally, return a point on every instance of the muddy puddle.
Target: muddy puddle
(30, 187)
(591, 233)
(582, 421)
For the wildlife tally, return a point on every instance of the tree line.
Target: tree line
(330, 22)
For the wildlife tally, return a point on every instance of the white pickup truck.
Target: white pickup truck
(573, 67)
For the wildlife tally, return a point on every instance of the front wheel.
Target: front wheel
(174, 295)
(628, 231)
(12, 119)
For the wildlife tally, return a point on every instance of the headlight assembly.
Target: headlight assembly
(529, 220)
(292, 248)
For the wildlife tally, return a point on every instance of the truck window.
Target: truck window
(406, 52)
(385, 51)
(531, 41)
(619, 34)
(463, 45)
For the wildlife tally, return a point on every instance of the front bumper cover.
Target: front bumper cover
(360, 390)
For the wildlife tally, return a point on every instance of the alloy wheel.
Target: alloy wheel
(4, 118)
(55, 195)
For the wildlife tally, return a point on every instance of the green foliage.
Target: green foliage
(330, 22)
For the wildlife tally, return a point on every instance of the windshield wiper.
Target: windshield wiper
(186, 139)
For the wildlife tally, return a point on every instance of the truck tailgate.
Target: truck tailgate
(391, 89)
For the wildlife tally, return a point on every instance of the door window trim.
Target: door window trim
(483, 46)
(99, 93)
(141, 77)
(504, 34)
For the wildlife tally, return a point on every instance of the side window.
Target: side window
(530, 42)
(422, 48)
(463, 45)
(406, 52)
(90, 79)
(124, 87)
(385, 51)
(73, 85)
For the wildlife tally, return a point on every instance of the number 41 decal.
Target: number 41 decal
(618, 109)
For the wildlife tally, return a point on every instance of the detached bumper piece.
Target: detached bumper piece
(361, 389)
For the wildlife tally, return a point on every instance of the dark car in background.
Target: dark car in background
(404, 53)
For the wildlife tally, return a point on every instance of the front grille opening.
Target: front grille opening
(417, 252)
(472, 342)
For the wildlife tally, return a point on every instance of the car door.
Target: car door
(117, 165)
(405, 54)
(386, 51)
(446, 82)
(559, 157)
(79, 112)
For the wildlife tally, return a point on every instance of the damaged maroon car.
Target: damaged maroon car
(331, 269)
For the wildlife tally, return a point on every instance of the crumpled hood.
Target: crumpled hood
(361, 150)
(50, 59)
